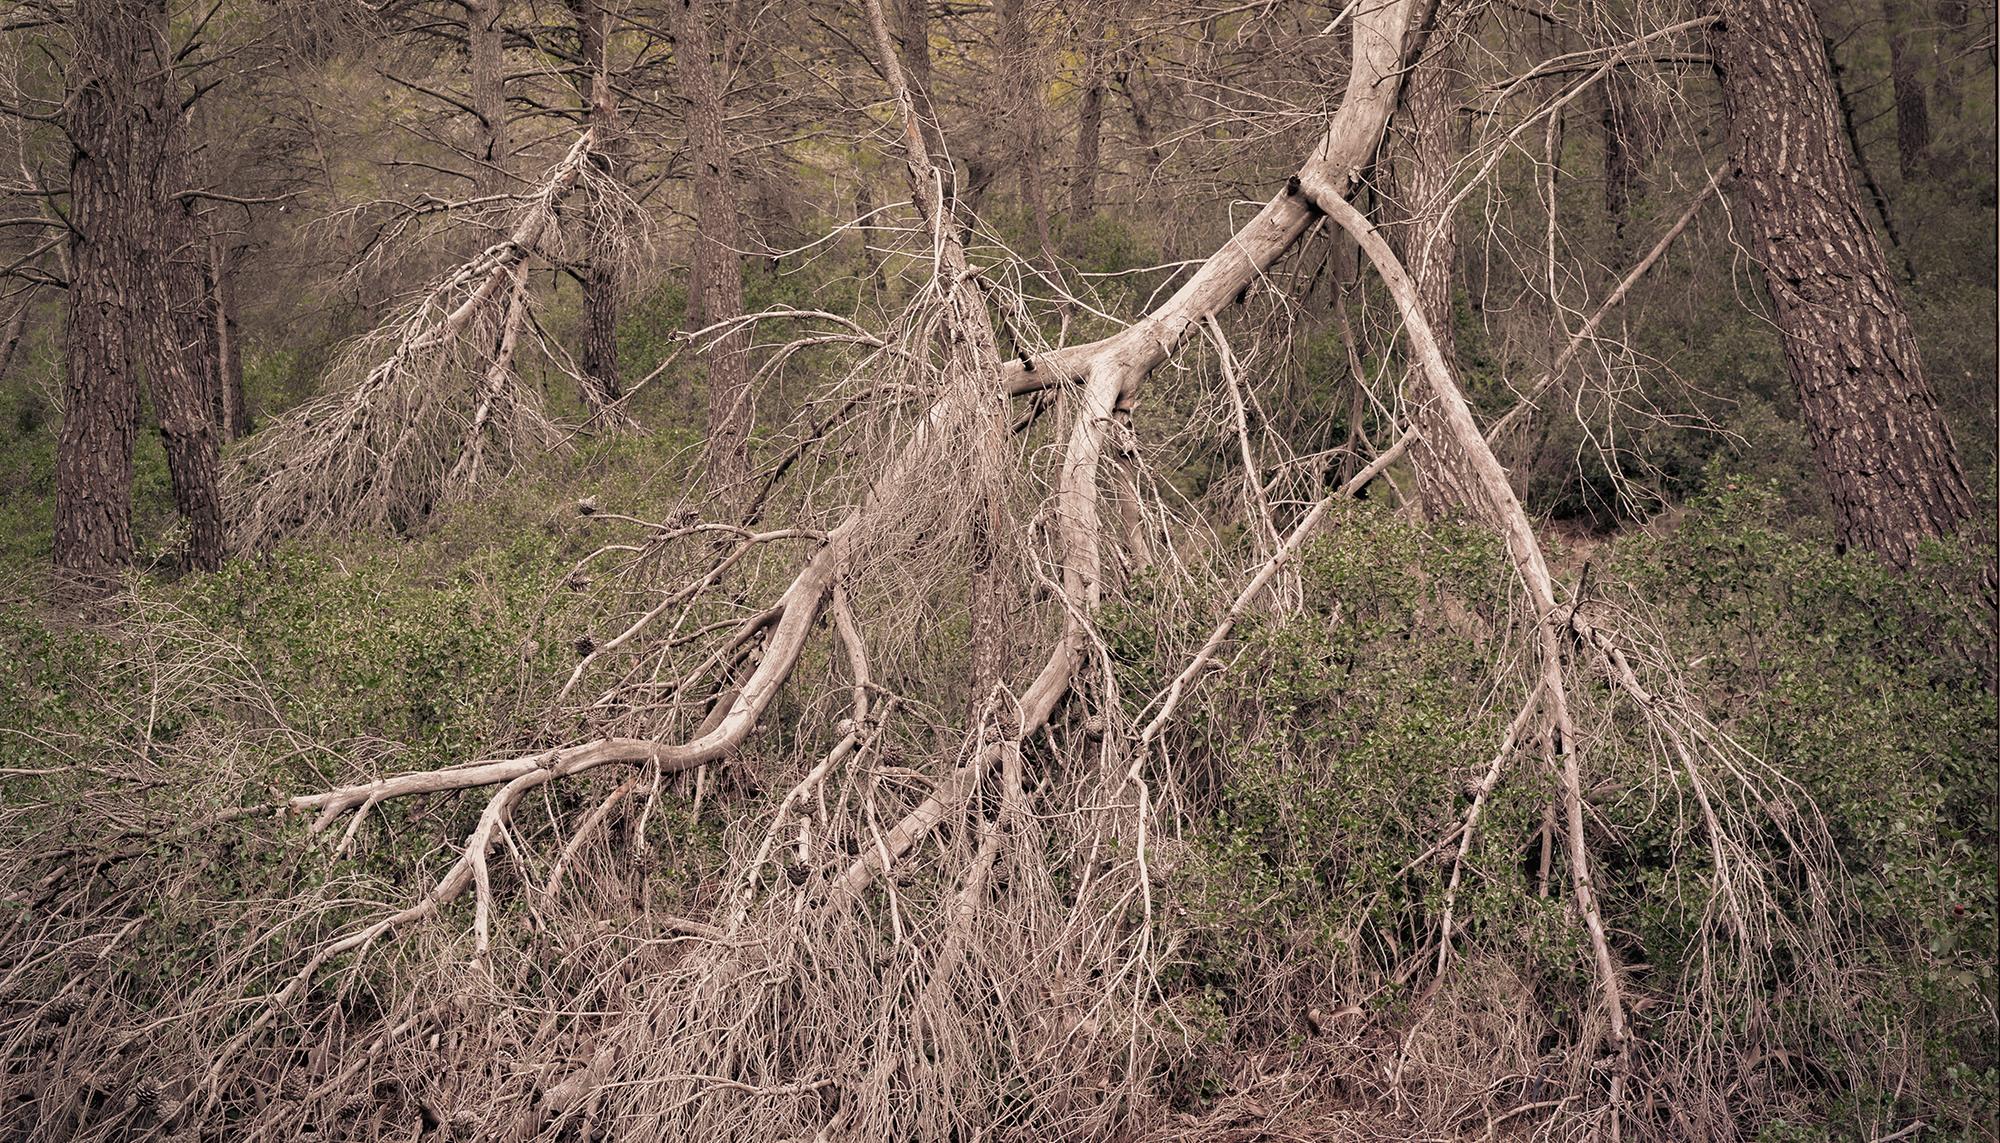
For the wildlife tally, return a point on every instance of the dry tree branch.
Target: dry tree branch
(416, 407)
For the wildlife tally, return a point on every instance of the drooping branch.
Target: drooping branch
(429, 397)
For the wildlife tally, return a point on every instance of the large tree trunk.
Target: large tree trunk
(1428, 244)
(1882, 446)
(93, 516)
(718, 270)
(913, 52)
(599, 386)
(1089, 127)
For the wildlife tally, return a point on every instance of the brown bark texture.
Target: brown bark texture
(1427, 242)
(1022, 71)
(1913, 118)
(485, 42)
(599, 384)
(93, 515)
(717, 294)
(1882, 445)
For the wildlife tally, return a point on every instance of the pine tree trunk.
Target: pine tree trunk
(1022, 71)
(600, 385)
(232, 415)
(485, 42)
(1429, 247)
(173, 301)
(718, 270)
(1882, 446)
(1913, 120)
(1089, 130)
(913, 52)
(93, 513)
(10, 339)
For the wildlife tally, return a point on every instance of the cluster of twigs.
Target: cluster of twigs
(431, 403)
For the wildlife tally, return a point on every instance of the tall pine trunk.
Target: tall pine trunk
(485, 44)
(718, 269)
(1021, 69)
(1429, 247)
(600, 384)
(93, 514)
(1883, 448)
(174, 304)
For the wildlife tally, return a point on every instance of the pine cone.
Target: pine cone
(146, 1094)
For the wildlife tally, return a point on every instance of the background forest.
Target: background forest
(1055, 569)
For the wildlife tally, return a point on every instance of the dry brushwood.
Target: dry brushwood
(948, 916)
(428, 405)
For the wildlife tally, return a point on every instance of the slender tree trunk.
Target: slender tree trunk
(1913, 119)
(600, 385)
(1884, 449)
(913, 52)
(486, 40)
(10, 338)
(1428, 245)
(1021, 68)
(232, 415)
(93, 514)
(174, 302)
(1089, 128)
(718, 270)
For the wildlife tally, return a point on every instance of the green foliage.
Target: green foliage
(1338, 749)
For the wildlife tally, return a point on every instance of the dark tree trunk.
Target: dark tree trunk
(174, 302)
(600, 385)
(1089, 129)
(225, 356)
(1628, 145)
(93, 514)
(718, 269)
(485, 42)
(1429, 247)
(10, 338)
(913, 51)
(1883, 448)
(1913, 119)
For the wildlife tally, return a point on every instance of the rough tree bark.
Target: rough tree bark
(913, 52)
(485, 43)
(1089, 125)
(599, 386)
(1427, 242)
(93, 515)
(1022, 72)
(174, 301)
(1913, 118)
(717, 293)
(1883, 447)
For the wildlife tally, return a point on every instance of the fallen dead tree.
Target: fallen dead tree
(925, 951)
